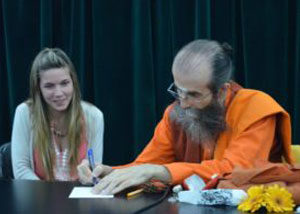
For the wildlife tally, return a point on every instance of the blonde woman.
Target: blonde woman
(53, 129)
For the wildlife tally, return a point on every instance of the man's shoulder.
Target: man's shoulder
(249, 106)
(249, 98)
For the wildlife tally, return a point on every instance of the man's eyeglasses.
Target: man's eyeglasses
(179, 93)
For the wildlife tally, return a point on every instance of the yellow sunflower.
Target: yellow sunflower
(255, 199)
(278, 199)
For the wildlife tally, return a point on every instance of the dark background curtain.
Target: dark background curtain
(123, 52)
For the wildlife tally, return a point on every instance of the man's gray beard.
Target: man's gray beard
(202, 126)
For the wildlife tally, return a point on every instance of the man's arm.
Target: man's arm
(249, 146)
(243, 150)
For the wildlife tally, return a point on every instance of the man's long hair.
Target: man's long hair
(45, 60)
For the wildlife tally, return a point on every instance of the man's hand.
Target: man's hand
(86, 175)
(120, 179)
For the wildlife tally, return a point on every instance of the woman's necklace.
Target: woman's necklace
(62, 168)
(58, 133)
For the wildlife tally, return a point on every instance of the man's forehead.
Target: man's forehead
(194, 66)
(192, 81)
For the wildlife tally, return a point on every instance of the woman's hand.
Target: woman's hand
(86, 175)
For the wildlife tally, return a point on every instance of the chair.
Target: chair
(5, 162)
(296, 152)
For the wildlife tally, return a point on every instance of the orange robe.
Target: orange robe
(256, 124)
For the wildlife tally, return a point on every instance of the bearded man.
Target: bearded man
(213, 126)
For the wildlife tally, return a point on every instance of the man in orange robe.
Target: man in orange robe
(213, 126)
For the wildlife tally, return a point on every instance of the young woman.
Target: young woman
(53, 129)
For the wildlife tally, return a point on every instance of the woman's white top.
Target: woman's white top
(22, 139)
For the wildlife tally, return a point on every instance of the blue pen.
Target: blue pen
(92, 165)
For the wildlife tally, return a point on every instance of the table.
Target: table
(25, 196)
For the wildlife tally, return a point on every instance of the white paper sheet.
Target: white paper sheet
(86, 192)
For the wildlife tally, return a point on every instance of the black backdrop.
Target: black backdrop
(123, 51)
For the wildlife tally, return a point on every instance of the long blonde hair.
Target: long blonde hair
(47, 59)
